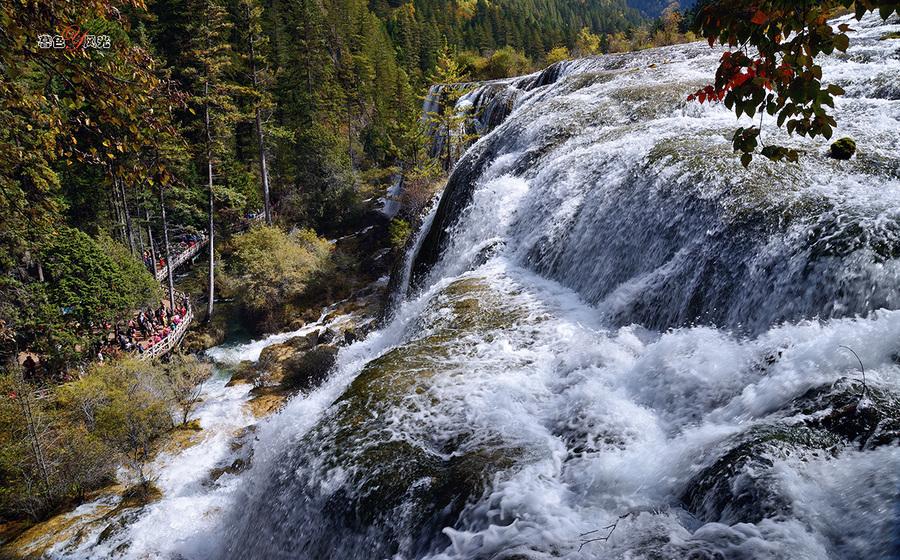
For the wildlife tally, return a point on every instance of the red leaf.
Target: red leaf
(759, 18)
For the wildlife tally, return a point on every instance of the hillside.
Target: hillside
(654, 8)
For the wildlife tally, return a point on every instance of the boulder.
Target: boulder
(244, 372)
(305, 342)
(737, 486)
(843, 148)
(308, 370)
(866, 416)
(328, 336)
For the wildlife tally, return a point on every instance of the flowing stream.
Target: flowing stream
(613, 342)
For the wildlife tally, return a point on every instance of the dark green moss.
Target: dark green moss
(308, 370)
(843, 149)
(406, 488)
(737, 487)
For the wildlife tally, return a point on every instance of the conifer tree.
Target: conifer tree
(447, 120)
(257, 62)
(213, 96)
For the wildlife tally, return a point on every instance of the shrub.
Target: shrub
(557, 54)
(270, 267)
(54, 450)
(506, 62)
(399, 231)
(125, 404)
(183, 377)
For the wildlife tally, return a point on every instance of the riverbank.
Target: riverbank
(196, 466)
(253, 376)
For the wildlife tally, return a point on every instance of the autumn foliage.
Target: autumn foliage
(772, 68)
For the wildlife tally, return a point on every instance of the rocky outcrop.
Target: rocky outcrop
(738, 486)
(366, 491)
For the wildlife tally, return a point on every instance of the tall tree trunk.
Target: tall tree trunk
(263, 167)
(350, 132)
(306, 42)
(260, 135)
(129, 229)
(209, 171)
(120, 221)
(150, 239)
(168, 253)
(138, 230)
(34, 441)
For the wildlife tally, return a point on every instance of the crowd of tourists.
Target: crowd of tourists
(145, 330)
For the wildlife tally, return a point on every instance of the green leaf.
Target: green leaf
(746, 159)
(841, 43)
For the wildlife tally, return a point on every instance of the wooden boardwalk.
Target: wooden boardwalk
(173, 339)
(181, 258)
(193, 250)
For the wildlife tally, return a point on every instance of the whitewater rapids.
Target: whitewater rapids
(615, 343)
(618, 344)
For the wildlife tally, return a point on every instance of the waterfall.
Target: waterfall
(617, 343)
(614, 342)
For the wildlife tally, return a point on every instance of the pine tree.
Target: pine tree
(257, 54)
(213, 96)
(446, 119)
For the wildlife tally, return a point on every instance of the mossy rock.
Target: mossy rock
(266, 401)
(863, 415)
(140, 495)
(273, 355)
(737, 487)
(843, 149)
(308, 370)
(842, 235)
(305, 342)
(366, 490)
(237, 466)
(198, 341)
(244, 372)
(890, 35)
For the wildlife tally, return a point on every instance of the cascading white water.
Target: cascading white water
(616, 344)
(556, 376)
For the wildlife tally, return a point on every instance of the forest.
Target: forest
(192, 123)
(132, 129)
(251, 137)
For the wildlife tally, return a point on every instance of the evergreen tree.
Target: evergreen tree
(210, 61)
(256, 61)
(446, 118)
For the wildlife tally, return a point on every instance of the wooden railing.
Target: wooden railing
(158, 350)
(172, 340)
(180, 259)
(42, 393)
